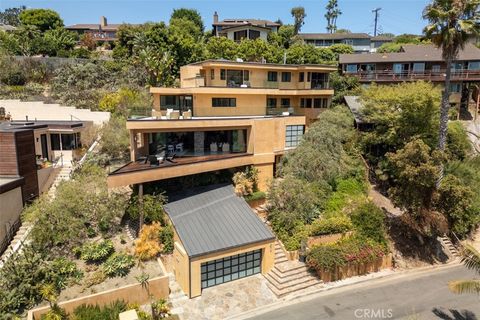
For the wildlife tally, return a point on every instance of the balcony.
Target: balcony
(428, 75)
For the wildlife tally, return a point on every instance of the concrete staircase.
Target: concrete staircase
(17, 242)
(288, 277)
(176, 297)
(447, 243)
(63, 175)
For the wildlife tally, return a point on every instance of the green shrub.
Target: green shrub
(458, 144)
(14, 78)
(108, 312)
(55, 313)
(369, 221)
(166, 238)
(96, 252)
(326, 257)
(345, 190)
(258, 195)
(331, 225)
(118, 265)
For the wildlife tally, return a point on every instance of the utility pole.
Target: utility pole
(376, 20)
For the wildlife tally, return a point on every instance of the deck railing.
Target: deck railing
(428, 75)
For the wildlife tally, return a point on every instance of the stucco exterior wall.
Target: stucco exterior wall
(11, 205)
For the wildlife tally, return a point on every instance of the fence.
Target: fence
(355, 269)
(134, 293)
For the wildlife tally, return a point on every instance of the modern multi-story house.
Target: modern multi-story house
(102, 32)
(225, 115)
(361, 42)
(27, 149)
(238, 29)
(418, 62)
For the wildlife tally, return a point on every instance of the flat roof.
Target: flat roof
(239, 21)
(411, 53)
(260, 64)
(15, 126)
(355, 106)
(333, 36)
(213, 219)
(8, 183)
(213, 118)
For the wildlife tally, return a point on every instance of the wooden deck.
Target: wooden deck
(180, 161)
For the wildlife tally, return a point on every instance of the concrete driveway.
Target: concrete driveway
(228, 299)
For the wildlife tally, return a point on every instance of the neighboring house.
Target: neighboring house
(238, 29)
(418, 62)
(361, 42)
(26, 152)
(7, 28)
(99, 32)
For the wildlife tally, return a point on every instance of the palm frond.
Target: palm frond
(465, 286)
(471, 258)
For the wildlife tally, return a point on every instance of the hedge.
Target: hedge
(330, 226)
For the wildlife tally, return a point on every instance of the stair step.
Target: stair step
(280, 260)
(281, 283)
(297, 287)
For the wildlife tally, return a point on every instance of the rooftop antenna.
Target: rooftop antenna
(376, 20)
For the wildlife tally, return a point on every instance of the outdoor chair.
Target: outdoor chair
(226, 147)
(175, 115)
(213, 147)
(179, 147)
(153, 160)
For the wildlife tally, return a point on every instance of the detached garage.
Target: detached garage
(218, 238)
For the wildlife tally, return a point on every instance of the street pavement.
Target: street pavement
(416, 296)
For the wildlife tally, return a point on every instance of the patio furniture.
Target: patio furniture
(226, 147)
(187, 114)
(170, 148)
(170, 157)
(156, 114)
(179, 147)
(213, 147)
(153, 160)
(175, 115)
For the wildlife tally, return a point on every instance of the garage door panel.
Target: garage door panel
(230, 268)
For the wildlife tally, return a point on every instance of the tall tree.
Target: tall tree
(189, 14)
(10, 16)
(451, 24)
(43, 19)
(333, 12)
(298, 13)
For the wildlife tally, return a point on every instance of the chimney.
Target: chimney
(215, 17)
(103, 21)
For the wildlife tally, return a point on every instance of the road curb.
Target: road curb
(305, 296)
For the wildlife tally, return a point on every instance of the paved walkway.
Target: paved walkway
(228, 299)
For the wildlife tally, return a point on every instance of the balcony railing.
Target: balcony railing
(427, 75)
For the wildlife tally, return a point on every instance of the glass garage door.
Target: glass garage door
(231, 268)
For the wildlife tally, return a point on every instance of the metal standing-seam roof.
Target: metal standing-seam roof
(213, 218)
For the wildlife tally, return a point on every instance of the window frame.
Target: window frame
(286, 76)
(221, 102)
(293, 135)
(223, 74)
(272, 76)
(301, 77)
(282, 105)
(212, 74)
(271, 106)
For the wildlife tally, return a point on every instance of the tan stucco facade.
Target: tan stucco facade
(265, 140)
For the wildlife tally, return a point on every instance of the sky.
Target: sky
(396, 16)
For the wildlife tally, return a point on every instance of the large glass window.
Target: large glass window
(272, 76)
(230, 268)
(239, 35)
(419, 67)
(285, 103)
(475, 65)
(181, 102)
(224, 102)
(271, 102)
(222, 74)
(55, 141)
(68, 141)
(286, 76)
(293, 135)
(254, 34)
(301, 77)
(352, 68)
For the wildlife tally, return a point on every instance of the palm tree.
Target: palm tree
(471, 259)
(451, 24)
